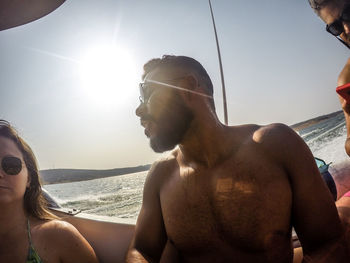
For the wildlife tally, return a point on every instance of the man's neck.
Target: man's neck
(207, 143)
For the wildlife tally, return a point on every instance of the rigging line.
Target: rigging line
(220, 64)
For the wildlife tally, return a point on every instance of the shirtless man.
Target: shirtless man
(226, 193)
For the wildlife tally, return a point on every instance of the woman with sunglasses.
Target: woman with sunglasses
(336, 15)
(29, 232)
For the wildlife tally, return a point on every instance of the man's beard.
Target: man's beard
(172, 126)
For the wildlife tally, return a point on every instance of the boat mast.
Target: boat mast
(220, 64)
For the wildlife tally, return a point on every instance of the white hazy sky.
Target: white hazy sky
(61, 88)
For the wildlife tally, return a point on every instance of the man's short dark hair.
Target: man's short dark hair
(316, 5)
(180, 62)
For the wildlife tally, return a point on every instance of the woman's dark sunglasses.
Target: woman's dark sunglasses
(11, 165)
(337, 27)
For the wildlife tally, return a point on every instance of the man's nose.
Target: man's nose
(346, 26)
(140, 110)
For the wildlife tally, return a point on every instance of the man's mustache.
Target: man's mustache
(147, 117)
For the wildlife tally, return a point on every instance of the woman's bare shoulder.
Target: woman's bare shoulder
(66, 240)
(57, 228)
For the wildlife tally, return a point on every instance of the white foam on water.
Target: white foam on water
(332, 151)
(329, 143)
(119, 196)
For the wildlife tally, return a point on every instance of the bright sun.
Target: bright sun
(108, 75)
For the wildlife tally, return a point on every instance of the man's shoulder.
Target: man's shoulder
(274, 141)
(163, 167)
(165, 162)
(263, 134)
(272, 133)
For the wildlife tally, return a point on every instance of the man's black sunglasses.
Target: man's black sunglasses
(11, 165)
(337, 27)
(144, 93)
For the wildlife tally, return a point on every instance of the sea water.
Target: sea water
(121, 196)
(326, 139)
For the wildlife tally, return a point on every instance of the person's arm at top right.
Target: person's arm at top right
(344, 78)
(313, 212)
(150, 237)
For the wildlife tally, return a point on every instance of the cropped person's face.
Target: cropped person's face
(13, 173)
(163, 113)
(332, 13)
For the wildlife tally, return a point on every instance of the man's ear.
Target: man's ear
(190, 84)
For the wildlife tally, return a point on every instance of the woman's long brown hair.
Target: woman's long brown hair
(34, 202)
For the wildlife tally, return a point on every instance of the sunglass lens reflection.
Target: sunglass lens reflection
(11, 165)
(335, 28)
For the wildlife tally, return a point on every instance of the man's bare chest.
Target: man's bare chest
(237, 205)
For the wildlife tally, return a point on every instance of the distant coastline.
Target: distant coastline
(305, 124)
(57, 176)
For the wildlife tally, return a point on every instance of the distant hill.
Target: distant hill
(55, 176)
(305, 124)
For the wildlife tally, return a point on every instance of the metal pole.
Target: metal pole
(220, 64)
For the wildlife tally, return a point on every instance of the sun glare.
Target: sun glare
(108, 75)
